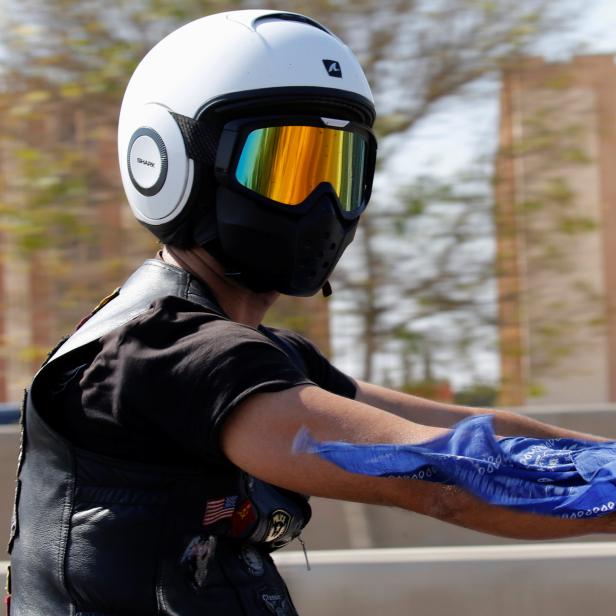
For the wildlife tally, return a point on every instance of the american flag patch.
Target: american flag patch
(219, 509)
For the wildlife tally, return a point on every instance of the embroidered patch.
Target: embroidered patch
(278, 525)
(276, 603)
(197, 556)
(253, 560)
(219, 509)
(243, 518)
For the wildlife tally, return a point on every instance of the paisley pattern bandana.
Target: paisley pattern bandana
(560, 477)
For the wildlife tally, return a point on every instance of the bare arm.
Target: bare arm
(258, 438)
(443, 415)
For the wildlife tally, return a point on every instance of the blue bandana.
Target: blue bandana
(561, 477)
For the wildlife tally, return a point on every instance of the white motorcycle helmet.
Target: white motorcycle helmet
(248, 132)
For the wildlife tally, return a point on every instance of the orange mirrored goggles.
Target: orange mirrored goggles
(285, 162)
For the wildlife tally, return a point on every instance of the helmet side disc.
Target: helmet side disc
(147, 161)
(156, 171)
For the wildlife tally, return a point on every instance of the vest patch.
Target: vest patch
(243, 519)
(278, 525)
(276, 603)
(219, 509)
(197, 556)
(252, 560)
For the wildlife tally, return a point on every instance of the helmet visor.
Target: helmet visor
(286, 163)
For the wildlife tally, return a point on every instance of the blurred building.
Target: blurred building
(52, 267)
(54, 273)
(556, 221)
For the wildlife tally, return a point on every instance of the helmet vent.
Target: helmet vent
(302, 19)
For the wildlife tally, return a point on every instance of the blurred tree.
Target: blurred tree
(431, 251)
(477, 394)
(69, 61)
(64, 67)
(418, 375)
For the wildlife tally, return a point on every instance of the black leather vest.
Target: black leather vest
(97, 536)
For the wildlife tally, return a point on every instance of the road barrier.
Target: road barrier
(9, 413)
(565, 579)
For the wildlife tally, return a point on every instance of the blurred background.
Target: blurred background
(484, 271)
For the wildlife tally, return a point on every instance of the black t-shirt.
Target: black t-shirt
(158, 388)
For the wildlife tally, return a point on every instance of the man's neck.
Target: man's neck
(239, 304)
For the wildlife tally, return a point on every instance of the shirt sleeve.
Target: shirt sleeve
(180, 371)
(318, 368)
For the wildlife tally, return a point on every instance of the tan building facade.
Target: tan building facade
(556, 230)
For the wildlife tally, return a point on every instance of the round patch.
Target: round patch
(147, 161)
(278, 525)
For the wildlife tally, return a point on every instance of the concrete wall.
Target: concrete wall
(552, 580)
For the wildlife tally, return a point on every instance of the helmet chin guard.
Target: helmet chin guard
(292, 255)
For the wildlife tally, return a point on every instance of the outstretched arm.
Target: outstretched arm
(258, 438)
(443, 415)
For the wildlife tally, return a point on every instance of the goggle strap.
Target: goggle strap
(200, 143)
